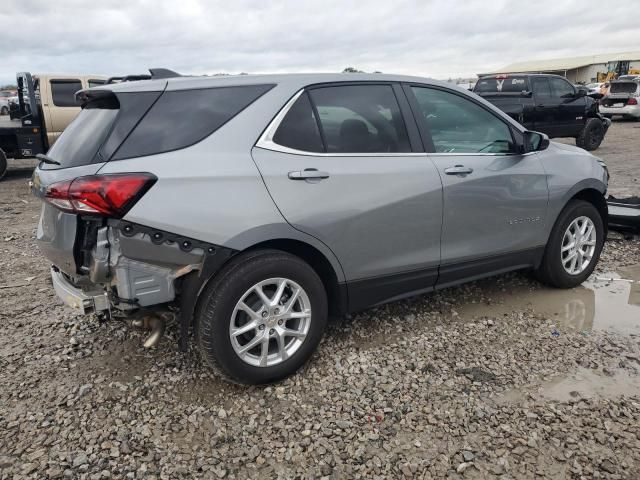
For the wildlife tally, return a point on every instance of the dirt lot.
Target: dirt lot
(501, 378)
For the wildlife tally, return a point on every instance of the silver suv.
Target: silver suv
(255, 206)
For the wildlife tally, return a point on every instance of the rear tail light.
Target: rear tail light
(108, 195)
(632, 101)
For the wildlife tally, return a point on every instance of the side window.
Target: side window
(95, 83)
(541, 88)
(299, 128)
(561, 88)
(180, 118)
(63, 92)
(458, 125)
(360, 119)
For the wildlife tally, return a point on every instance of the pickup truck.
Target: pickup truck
(547, 104)
(46, 105)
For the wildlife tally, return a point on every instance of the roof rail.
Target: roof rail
(156, 73)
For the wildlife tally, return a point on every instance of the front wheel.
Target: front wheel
(4, 110)
(262, 317)
(574, 246)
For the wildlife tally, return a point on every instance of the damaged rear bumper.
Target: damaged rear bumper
(74, 297)
(122, 267)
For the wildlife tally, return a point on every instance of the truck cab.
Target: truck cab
(547, 103)
(45, 106)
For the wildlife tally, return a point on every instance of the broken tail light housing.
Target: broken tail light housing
(106, 195)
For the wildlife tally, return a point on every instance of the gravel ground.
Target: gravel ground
(487, 380)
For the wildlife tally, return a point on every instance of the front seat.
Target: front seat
(354, 136)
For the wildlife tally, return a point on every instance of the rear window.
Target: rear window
(63, 92)
(508, 84)
(623, 87)
(181, 118)
(80, 141)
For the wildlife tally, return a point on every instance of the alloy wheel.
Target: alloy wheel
(270, 322)
(578, 245)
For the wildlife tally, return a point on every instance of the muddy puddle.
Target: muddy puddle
(609, 301)
(583, 383)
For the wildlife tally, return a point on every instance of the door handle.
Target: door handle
(458, 170)
(307, 174)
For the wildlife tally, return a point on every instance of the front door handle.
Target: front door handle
(308, 174)
(458, 170)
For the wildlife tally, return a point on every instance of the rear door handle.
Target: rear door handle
(308, 173)
(458, 170)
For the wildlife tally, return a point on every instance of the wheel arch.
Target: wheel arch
(335, 288)
(596, 198)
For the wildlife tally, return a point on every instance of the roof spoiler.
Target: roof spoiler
(155, 74)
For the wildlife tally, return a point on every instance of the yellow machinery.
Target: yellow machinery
(616, 69)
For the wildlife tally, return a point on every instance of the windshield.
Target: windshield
(80, 141)
(624, 87)
(502, 84)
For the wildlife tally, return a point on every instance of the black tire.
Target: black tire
(591, 135)
(217, 303)
(551, 271)
(4, 111)
(3, 164)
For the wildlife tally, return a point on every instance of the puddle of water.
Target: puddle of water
(587, 383)
(605, 302)
(583, 383)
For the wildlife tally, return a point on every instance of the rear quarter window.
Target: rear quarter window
(181, 118)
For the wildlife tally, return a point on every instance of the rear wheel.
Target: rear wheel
(4, 110)
(574, 246)
(592, 135)
(3, 164)
(262, 317)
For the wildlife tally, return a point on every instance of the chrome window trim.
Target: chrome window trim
(266, 139)
(266, 142)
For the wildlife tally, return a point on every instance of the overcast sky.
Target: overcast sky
(440, 39)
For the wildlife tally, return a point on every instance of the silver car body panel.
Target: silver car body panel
(380, 215)
(500, 207)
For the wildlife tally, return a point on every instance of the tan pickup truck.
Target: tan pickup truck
(46, 106)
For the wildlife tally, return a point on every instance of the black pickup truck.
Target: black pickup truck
(547, 104)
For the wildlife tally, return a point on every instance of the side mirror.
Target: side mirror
(581, 92)
(535, 141)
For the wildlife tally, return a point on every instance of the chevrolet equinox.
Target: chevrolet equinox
(252, 207)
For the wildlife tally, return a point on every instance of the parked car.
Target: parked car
(4, 105)
(622, 99)
(594, 87)
(258, 205)
(548, 104)
(45, 105)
